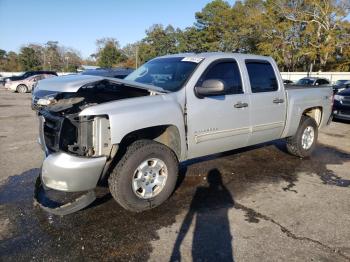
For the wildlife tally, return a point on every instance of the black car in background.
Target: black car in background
(287, 82)
(2, 81)
(312, 81)
(120, 72)
(341, 85)
(341, 107)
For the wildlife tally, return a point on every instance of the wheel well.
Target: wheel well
(315, 113)
(166, 134)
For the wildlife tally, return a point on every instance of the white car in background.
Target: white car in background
(27, 84)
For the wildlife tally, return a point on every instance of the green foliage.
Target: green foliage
(9, 61)
(295, 33)
(50, 56)
(109, 54)
(29, 59)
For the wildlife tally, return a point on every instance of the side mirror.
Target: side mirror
(211, 87)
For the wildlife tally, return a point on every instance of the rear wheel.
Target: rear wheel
(22, 89)
(145, 176)
(304, 141)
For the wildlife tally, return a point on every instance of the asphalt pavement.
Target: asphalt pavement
(254, 204)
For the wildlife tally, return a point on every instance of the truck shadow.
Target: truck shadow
(105, 231)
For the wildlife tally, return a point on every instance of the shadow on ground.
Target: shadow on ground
(104, 231)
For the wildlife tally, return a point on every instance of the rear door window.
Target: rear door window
(322, 82)
(262, 76)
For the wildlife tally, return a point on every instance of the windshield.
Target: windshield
(167, 73)
(340, 82)
(305, 81)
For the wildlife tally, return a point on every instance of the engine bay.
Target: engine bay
(62, 127)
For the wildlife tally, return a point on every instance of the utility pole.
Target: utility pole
(67, 59)
(137, 57)
(44, 58)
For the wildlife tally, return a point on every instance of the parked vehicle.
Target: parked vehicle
(312, 81)
(341, 107)
(29, 74)
(341, 85)
(2, 81)
(27, 84)
(171, 109)
(287, 82)
(120, 72)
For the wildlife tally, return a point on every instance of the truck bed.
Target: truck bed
(300, 98)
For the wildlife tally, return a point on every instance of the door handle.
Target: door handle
(240, 105)
(278, 100)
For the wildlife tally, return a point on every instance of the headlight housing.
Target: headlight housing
(338, 97)
(46, 101)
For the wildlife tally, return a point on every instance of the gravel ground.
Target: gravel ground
(253, 204)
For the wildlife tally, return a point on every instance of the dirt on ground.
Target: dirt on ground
(254, 204)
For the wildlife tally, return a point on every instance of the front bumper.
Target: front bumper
(341, 110)
(64, 172)
(339, 114)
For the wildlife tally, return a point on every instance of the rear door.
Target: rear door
(268, 105)
(218, 123)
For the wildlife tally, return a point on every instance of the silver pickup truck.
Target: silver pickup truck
(134, 132)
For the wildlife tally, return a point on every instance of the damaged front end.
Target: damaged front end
(78, 148)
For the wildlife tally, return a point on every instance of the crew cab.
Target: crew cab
(133, 132)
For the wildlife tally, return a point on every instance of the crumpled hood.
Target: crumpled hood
(72, 83)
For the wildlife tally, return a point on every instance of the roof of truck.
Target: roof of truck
(217, 55)
(313, 78)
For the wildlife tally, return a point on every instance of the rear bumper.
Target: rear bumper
(64, 172)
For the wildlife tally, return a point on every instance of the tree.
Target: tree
(131, 51)
(158, 41)
(53, 59)
(280, 38)
(11, 62)
(109, 53)
(215, 23)
(189, 40)
(323, 26)
(72, 59)
(2, 59)
(29, 59)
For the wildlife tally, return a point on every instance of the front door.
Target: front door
(218, 123)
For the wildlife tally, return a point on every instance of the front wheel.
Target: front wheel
(304, 141)
(145, 176)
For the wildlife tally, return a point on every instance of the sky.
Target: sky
(79, 23)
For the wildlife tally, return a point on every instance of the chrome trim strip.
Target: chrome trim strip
(263, 127)
(221, 134)
(236, 131)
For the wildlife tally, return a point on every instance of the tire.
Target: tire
(122, 179)
(296, 145)
(22, 89)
